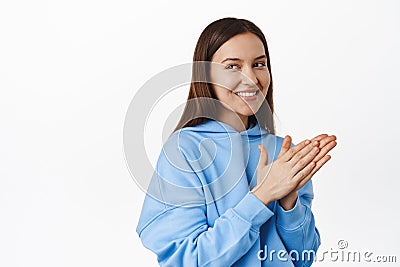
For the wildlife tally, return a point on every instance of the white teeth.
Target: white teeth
(246, 94)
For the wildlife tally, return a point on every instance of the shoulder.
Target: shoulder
(182, 149)
(185, 142)
(193, 139)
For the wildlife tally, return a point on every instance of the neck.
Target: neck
(238, 121)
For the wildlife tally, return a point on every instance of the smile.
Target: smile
(249, 95)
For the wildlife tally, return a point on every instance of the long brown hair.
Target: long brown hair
(210, 40)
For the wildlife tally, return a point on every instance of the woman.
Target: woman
(226, 190)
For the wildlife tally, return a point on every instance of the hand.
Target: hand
(327, 143)
(277, 180)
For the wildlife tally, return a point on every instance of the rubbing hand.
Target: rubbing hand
(327, 143)
(293, 168)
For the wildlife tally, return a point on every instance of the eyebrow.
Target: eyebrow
(238, 59)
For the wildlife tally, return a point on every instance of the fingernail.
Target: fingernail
(307, 142)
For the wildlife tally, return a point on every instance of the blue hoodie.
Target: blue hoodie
(199, 211)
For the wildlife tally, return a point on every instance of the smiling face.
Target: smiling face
(241, 78)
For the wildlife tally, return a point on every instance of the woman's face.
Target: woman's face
(241, 77)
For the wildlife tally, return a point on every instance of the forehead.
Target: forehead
(245, 46)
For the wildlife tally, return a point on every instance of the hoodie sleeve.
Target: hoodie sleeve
(296, 227)
(173, 223)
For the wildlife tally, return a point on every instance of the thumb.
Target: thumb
(287, 141)
(263, 161)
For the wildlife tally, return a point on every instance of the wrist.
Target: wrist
(261, 196)
(288, 202)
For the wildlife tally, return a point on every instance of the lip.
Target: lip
(247, 91)
(248, 98)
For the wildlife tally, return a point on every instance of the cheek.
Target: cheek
(222, 93)
(264, 80)
(228, 80)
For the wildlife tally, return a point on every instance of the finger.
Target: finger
(321, 163)
(311, 152)
(325, 150)
(287, 141)
(319, 137)
(303, 152)
(326, 140)
(304, 173)
(263, 156)
(291, 152)
(317, 166)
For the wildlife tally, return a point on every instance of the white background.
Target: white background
(69, 69)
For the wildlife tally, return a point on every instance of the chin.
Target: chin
(246, 112)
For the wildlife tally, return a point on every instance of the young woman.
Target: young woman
(226, 190)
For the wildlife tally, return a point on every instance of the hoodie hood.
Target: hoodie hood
(214, 126)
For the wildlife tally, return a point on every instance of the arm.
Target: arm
(295, 220)
(173, 223)
(296, 227)
(180, 236)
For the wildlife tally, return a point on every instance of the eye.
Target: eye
(232, 67)
(259, 64)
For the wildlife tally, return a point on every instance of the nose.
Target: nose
(249, 77)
